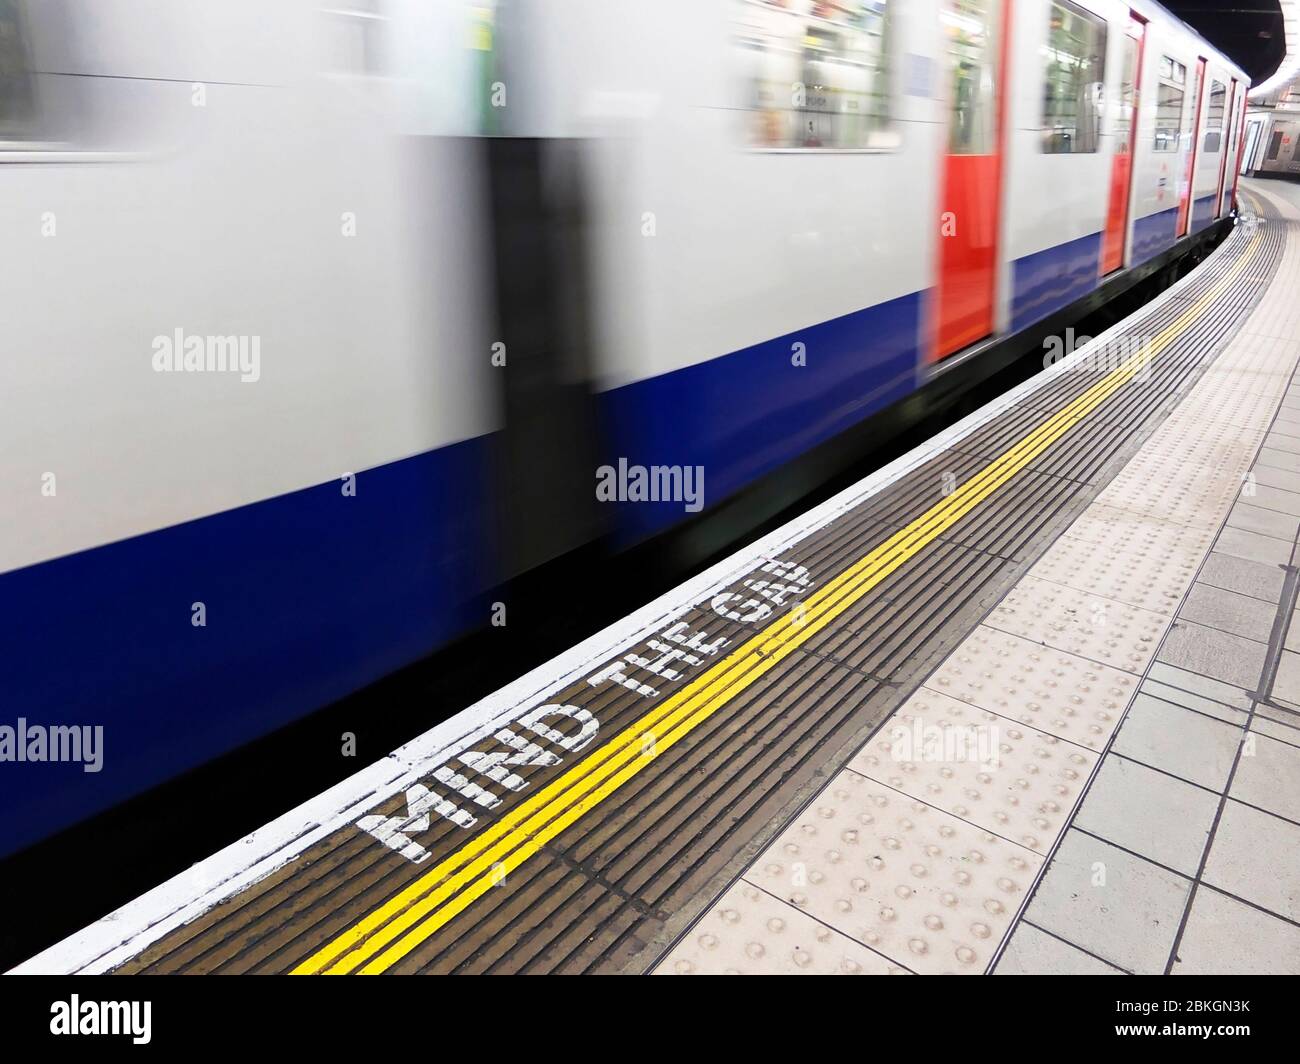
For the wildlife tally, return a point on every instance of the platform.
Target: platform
(1026, 700)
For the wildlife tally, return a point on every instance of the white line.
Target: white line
(124, 933)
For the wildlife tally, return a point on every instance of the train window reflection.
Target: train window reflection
(1127, 94)
(968, 31)
(1214, 117)
(17, 91)
(817, 73)
(1169, 104)
(1076, 72)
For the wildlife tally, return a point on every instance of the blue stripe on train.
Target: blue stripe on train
(744, 414)
(1048, 280)
(1203, 212)
(1153, 234)
(309, 596)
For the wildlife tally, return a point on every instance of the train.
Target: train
(1270, 143)
(323, 323)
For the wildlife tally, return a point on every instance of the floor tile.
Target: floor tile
(1287, 502)
(1215, 654)
(1225, 937)
(1204, 686)
(1272, 477)
(1278, 442)
(1000, 775)
(1112, 904)
(1256, 856)
(1268, 775)
(1034, 952)
(1229, 612)
(1286, 684)
(1267, 726)
(1146, 811)
(1253, 547)
(1265, 522)
(1055, 692)
(1113, 633)
(1292, 639)
(1249, 578)
(1152, 578)
(748, 932)
(1186, 744)
(925, 889)
(1277, 459)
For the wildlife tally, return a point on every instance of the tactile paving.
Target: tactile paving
(749, 932)
(1011, 779)
(926, 889)
(1080, 622)
(1124, 530)
(1181, 482)
(1051, 690)
(1151, 578)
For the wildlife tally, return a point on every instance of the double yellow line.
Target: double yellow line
(402, 923)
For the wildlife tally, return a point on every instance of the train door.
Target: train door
(974, 48)
(1121, 167)
(1251, 145)
(1241, 149)
(1185, 192)
(1226, 149)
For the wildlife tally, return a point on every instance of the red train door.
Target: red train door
(1121, 167)
(975, 34)
(1229, 135)
(1185, 192)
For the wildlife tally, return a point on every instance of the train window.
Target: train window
(17, 88)
(1169, 104)
(1127, 94)
(1076, 73)
(1214, 117)
(1274, 145)
(817, 73)
(968, 28)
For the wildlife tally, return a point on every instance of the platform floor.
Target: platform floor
(1027, 700)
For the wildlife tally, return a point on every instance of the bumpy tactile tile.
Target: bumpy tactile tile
(1011, 779)
(927, 890)
(749, 932)
(1056, 692)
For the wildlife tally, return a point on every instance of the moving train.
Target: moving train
(325, 322)
(1271, 141)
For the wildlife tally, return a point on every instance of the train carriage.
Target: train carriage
(795, 216)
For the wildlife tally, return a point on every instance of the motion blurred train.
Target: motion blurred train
(323, 323)
(1272, 142)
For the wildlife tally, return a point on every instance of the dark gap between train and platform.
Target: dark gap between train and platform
(151, 838)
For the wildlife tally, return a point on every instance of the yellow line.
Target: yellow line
(398, 926)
